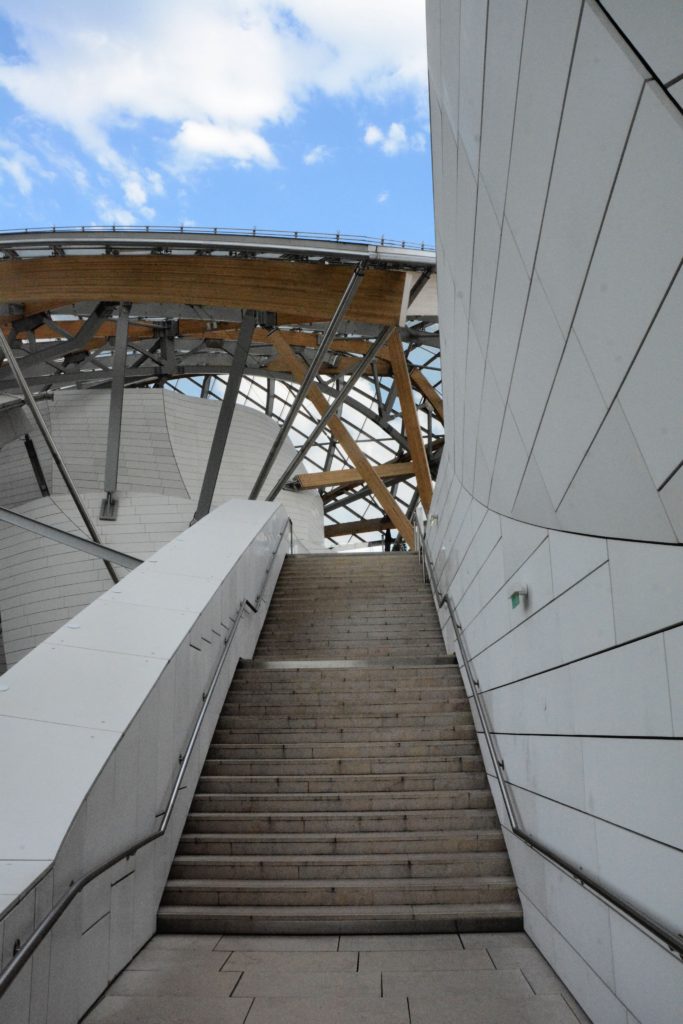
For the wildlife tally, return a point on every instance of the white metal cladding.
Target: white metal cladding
(164, 443)
(557, 168)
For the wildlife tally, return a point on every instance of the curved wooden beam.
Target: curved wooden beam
(296, 292)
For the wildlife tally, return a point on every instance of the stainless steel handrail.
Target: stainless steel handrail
(24, 954)
(672, 940)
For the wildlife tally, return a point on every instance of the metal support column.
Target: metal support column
(316, 363)
(54, 451)
(225, 414)
(108, 509)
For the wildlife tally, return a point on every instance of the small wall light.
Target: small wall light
(519, 594)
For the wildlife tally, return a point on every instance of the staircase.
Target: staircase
(344, 790)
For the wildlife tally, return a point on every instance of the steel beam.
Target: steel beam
(225, 415)
(109, 506)
(75, 343)
(70, 539)
(331, 411)
(54, 451)
(311, 374)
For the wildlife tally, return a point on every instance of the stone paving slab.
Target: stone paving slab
(480, 1008)
(293, 943)
(495, 940)
(285, 985)
(179, 979)
(482, 978)
(426, 960)
(169, 1010)
(294, 962)
(153, 958)
(320, 1010)
(501, 984)
(400, 942)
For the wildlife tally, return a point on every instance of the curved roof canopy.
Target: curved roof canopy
(281, 324)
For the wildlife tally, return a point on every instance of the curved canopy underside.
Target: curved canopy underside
(242, 318)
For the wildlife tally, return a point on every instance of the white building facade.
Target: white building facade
(558, 161)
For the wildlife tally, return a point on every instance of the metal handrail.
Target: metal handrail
(673, 941)
(26, 951)
(304, 236)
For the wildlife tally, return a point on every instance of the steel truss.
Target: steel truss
(365, 414)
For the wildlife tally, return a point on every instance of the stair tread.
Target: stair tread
(370, 910)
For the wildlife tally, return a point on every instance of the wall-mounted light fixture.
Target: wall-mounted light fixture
(519, 595)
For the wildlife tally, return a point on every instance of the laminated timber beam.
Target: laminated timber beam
(357, 526)
(410, 421)
(298, 368)
(337, 477)
(296, 292)
(428, 391)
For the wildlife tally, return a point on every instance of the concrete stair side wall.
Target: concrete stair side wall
(92, 724)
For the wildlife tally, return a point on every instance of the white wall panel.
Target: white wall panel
(472, 34)
(651, 395)
(613, 492)
(503, 48)
(165, 440)
(540, 348)
(512, 286)
(639, 248)
(601, 100)
(547, 50)
(570, 421)
(656, 30)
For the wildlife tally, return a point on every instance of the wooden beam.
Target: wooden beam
(411, 423)
(297, 367)
(357, 526)
(389, 471)
(428, 391)
(296, 292)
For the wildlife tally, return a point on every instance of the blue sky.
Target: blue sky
(307, 115)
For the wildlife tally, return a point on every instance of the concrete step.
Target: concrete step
(468, 760)
(371, 686)
(401, 783)
(350, 734)
(338, 649)
(321, 717)
(343, 893)
(368, 920)
(304, 846)
(324, 750)
(333, 867)
(340, 821)
(309, 803)
(369, 672)
(334, 705)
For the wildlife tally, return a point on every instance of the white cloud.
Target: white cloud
(110, 213)
(13, 167)
(316, 155)
(198, 142)
(382, 197)
(394, 140)
(21, 167)
(212, 82)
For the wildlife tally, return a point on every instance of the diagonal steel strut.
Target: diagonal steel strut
(316, 363)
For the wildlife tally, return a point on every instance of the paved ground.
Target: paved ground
(490, 978)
